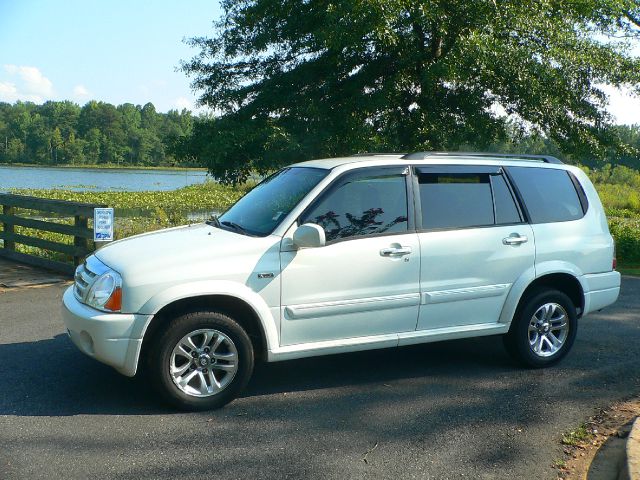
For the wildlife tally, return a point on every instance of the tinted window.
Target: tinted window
(362, 204)
(261, 210)
(548, 194)
(455, 200)
(506, 210)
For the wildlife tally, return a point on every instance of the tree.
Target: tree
(38, 145)
(149, 117)
(56, 142)
(15, 150)
(304, 79)
(62, 132)
(73, 150)
(92, 146)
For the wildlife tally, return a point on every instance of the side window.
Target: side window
(549, 194)
(455, 200)
(362, 204)
(506, 210)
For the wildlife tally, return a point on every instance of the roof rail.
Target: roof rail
(524, 156)
(379, 154)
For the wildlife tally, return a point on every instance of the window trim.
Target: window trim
(400, 170)
(582, 196)
(513, 197)
(464, 170)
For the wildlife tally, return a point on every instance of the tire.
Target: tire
(202, 361)
(543, 329)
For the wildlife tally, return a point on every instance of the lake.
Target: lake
(97, 179)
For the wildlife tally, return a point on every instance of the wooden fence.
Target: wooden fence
(80, 231)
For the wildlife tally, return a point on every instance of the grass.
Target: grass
(206, 196)
(629, 270)
(577, 436)
(559, 463)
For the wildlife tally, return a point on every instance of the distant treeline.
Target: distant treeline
(63, 133)
(519, 139)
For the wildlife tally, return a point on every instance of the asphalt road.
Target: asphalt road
(456, 409)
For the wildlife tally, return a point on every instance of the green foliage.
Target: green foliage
(619, 190)
(209, 196)
(626, 232)
(295, 79)
(620, 197)
(56, 133)
(559, 463)
(577, 436)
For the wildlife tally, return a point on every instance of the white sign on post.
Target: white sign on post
(102, 224)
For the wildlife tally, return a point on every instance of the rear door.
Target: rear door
(474, 244)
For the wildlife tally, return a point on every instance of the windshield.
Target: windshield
(261, 210)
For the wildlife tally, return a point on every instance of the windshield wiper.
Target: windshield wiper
(213, 221)
(236, 227)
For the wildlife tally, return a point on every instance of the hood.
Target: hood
(190, 252)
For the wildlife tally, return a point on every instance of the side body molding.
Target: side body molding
(216, 287)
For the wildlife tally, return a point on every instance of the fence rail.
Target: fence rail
(80, 231)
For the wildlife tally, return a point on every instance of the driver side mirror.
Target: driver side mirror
(309, 235)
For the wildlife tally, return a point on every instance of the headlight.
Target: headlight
(106, 292)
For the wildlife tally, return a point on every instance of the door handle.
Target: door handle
(395, 251)
(515, 239)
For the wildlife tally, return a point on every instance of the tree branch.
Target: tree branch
(632, 18)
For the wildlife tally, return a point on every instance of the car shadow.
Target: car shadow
(52, 378)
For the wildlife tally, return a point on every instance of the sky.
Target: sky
(116, 51)
(122, 51)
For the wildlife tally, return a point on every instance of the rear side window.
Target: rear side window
(463, 200)
(548, 194)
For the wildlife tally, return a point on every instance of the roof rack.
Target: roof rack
(516, 156)
(379, 154)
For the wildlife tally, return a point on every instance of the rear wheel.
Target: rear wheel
(543, 329)
(201, 361)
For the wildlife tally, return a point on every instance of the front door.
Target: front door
(365, 280)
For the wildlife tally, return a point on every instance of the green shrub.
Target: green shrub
(626, 232)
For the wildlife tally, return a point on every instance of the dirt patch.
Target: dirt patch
(581, 445)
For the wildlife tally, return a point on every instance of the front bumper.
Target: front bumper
(111, 338)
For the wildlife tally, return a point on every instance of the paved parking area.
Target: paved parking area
(13, 274)
(457, 409)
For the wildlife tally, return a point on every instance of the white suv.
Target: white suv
(346, 254)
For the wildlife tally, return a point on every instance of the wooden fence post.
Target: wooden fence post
(8, 227)
(82, 222)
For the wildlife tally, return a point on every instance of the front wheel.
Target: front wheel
(201, 361)
(543, 328)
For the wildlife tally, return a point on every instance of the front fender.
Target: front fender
(216, 287)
